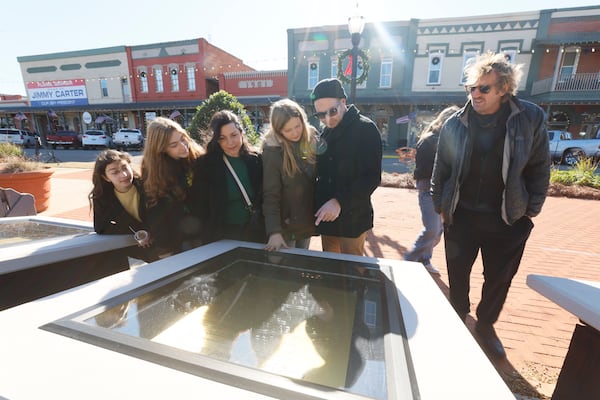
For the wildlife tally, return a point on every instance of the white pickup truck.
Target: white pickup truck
(126, 138)
(568, 150)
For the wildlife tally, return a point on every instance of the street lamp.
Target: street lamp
(356, 24)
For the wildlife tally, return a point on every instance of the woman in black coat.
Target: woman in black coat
(216, 196)
(117, 201)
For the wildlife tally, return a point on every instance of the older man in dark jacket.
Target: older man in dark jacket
(490, 178)
(348, 170)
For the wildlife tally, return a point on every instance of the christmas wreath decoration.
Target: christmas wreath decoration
(363, 57)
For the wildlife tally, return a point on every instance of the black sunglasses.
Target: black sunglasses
(330, 113)
(484, 89)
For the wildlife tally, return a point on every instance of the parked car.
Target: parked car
(11, 135)
(95, 138)
(126, 138)
(568, 150)
(67, 139)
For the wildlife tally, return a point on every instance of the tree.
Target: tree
(199, 128)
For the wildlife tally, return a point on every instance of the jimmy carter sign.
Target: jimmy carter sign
(70, 92)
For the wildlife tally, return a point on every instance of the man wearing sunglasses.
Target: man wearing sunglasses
(348, 170)
(490, 178)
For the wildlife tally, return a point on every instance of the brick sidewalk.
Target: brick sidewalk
(535, 332)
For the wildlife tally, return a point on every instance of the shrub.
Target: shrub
(9, 150)
(13, 160)
(221, 100)
(583, 173)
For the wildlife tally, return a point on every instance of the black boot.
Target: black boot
(489, 340)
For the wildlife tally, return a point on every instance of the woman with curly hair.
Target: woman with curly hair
(167, 172)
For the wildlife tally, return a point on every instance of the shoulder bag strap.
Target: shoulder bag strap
(237, 180)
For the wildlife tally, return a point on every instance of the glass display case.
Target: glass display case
(273, 323)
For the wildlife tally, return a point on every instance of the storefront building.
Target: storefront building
(125, 86)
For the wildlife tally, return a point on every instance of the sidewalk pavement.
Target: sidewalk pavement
(535, 331)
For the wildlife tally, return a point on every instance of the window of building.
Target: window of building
(104, 87)
(174, 79)
(434, 75)
(569, 62)
(468, 58)
(191, 78)
(359, 72)
(510, 55)
(159, 80)
(313, 74)
(144, 82)
(385, 74)
(334, 67)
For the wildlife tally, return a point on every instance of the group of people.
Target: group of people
(296, 185)
(482, 172)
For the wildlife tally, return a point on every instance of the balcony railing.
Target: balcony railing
(568, 83)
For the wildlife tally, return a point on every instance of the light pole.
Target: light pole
(356, 25)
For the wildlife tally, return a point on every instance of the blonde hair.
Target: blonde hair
(509, 75)
(160, 172)
(281, 112)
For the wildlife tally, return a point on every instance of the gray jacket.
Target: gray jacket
(525, 163)
(288, 201)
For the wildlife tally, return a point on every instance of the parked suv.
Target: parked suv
(12, 135)
(126, 138)
(95, 138)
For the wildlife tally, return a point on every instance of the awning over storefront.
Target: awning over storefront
(104, 119)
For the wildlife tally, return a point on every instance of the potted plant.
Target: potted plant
(25, 175)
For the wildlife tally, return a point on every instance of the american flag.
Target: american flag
(406, 118)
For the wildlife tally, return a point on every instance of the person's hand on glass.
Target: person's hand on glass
(275, 242)
(328, 211)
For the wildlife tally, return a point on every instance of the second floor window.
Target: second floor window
(569, 62)
(144, 82)
(159, 80)
(191, 78)
(174, 80)
(468, 58)
(385, 75)
(334, 67)
(313, 74)
(434, 74)
(104, 87)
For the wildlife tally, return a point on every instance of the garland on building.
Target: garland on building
(364, 59)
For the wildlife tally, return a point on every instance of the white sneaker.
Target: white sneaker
(431, 269)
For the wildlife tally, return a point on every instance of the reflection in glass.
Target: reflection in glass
(276, 314)
(18, 232)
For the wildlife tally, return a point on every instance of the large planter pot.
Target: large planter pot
(36, 183)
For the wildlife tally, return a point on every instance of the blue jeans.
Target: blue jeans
(431, 234)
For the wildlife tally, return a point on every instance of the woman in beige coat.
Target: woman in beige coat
(288, 157)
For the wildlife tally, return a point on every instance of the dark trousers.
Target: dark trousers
(501, 248)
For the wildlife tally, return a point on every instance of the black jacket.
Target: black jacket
(349, 170)
(525, 164)
(209, 191)
(171, 222)
(110, 218)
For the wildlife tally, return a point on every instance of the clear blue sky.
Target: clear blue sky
(253, 30)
